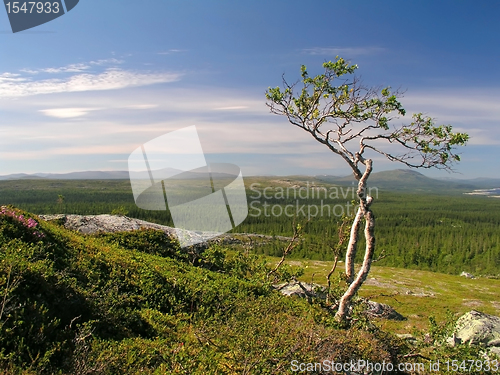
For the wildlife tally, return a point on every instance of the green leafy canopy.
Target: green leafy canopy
(337, 109)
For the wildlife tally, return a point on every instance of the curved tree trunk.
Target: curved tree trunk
(345, 301)
(364, 211)
(352, 246)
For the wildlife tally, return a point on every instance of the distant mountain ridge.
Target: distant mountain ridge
(111, 175)
(398, 179)
(86, 175)
(407, 179)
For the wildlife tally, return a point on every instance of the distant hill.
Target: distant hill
(19, 176)
(410, 180)
(113, 175)
(87, 175)
(398, 179)
(479, 183)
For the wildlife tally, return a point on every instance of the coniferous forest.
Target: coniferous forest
(443, 232)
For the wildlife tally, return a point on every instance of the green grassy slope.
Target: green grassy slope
(132, 303)
(415, 294)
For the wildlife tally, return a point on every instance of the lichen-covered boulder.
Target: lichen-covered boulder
(478, 328)
(381, 310)
(301, 289)
(310, 290)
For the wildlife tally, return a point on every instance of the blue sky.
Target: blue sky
(85, 90)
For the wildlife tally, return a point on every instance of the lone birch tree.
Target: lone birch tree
(354, 122)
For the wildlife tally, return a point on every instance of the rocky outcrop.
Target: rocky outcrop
(113, 223)
(477, 328)
(90, 224)
(104, 223)
(309, 290)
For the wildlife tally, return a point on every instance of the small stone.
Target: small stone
(467, 275)
(381, 310)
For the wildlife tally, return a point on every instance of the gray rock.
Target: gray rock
(381, 310)
(478, 328)
(310, 290)
(467, 275)
(301, 289)
(91, 224)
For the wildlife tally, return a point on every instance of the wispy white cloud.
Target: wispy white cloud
(141, 106)
(106, 61)
(17, 156)
(231, 108)
(171, 51)
(343, 51)
(28, 71)
(11, 77)
(474, 111)
(67, 112)
(106, 149)
(228, 122)
(8, 75)
(110, 79)
(458, 103)
(55, 152)
(74, 68)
